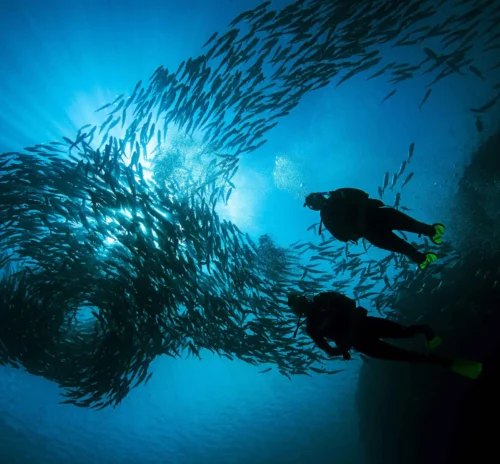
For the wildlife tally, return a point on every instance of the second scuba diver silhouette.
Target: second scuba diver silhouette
(333, 316)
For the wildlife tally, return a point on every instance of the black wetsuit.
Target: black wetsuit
(340, 218)
(334, 316)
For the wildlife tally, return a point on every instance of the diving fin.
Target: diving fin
(429, 258)
(434, 343)
(437, 238)
(470, 369)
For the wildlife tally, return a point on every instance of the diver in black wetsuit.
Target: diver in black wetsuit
(349, 214)
(331, 315)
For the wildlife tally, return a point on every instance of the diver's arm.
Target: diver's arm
(344, 346)
(322, 344)
(342, 310)
(327, 348)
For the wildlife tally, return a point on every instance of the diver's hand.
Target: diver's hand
(346, 355)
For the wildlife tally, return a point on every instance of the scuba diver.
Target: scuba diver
(331, 315)
(349, 214)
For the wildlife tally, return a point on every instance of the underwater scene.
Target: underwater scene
(241, 232)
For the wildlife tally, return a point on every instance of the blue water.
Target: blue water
(60, 60)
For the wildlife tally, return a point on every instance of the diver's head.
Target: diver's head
(315, 201)
(299, 304)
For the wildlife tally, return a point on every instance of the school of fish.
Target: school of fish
(105, 268)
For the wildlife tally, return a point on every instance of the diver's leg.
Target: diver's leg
(382, 350)
(378, 327)
(397, 220)
(388, 240)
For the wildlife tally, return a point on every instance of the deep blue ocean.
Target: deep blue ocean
(60, 60)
